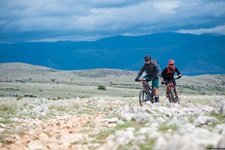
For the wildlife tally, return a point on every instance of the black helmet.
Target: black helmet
(147, 57)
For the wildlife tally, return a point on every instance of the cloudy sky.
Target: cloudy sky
(79, 20)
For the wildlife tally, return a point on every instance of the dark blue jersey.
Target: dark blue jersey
(152, 70)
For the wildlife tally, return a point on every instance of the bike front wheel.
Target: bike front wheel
(177, 100)
(143, 98)
(172, 95)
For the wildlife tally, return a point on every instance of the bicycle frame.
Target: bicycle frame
(172, 92)
(145, 96)
(151, 92)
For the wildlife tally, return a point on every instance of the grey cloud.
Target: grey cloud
(78, 19)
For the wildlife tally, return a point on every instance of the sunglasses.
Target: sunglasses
(147, 60)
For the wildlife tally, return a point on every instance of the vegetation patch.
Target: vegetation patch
(104, 133)
(166, 127)
(191, 119)
(58, 108)
(128, 124)
(19, 97)
(148, 145)
(15, 131)
(5, 121)
(30, 96)
(7, 108)
(101, 87)
(218, 116)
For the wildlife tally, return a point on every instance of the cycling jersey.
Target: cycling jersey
(152, 70)
(169, 74)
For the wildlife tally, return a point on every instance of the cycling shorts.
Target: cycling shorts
(167, 81)
(155, 82)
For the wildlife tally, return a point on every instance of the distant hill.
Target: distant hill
(194, 54)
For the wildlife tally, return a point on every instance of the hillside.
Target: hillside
(194, 54)
(25, 79)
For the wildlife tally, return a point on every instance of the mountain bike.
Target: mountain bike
(172, 91)
(146, 96)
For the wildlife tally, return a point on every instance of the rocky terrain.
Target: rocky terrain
(112, 123)
(42, 108)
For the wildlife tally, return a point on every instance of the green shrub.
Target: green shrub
(29, 96)
(19, 97)
(101, 87)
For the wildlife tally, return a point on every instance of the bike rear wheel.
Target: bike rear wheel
(143, 98)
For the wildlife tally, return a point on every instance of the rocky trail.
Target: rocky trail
(112, 123)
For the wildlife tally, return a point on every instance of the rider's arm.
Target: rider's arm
(178, 72)
(140, 72)
(157, 67)
(163, 74)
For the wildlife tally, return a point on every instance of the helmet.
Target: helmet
(147, 57)
(171, 62)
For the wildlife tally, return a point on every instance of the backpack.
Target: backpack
(169, 69)
(154, 61)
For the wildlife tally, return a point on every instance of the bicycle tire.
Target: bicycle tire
(152, 97)
(142, 97)
(172, 95)
(176, 99)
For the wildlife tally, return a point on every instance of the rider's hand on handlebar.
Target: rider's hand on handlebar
(136, 79)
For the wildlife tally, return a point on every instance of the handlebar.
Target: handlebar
(145, 80)
(171, 79)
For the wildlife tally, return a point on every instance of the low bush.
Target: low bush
(101, 87)
(19, 97)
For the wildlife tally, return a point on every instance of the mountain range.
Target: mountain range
(193, 54)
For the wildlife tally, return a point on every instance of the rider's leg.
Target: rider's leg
(167, 87)
(144, 84)
(156, 92)
(167, 91)
(176, 92)
(155, 85)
